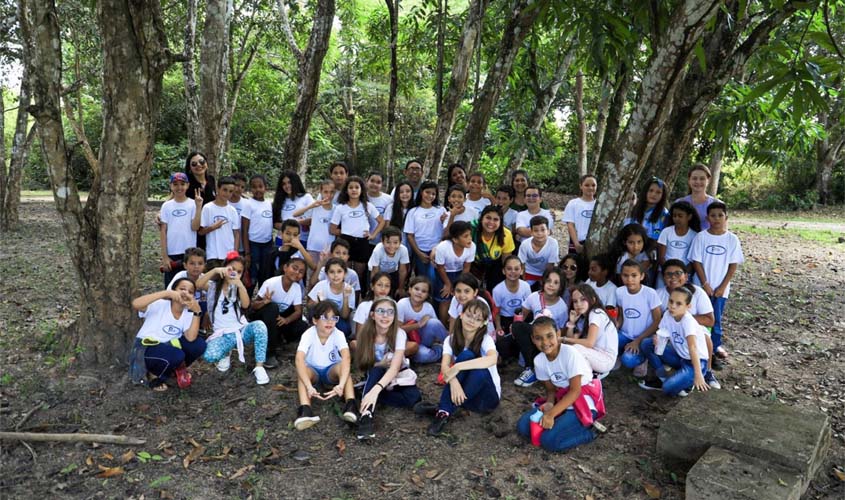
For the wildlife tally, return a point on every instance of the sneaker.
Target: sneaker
(710, 378)
(350, 412)
(440, 421)
(365, 427)
(271, 362)
(305, 418)
(684, 393)
(651, 385)
(224, 364)
(425, 409)
(183, 377)
(261, 376)
(526, 378)
(641, 370)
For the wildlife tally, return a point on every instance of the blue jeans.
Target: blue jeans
(630, 360)
(400, 396)
(257, 253)
(478, 387)
(567, 432)
(433, 332)
(684, 374)
(162, 359)
(719, 304)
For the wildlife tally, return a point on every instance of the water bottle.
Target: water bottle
(232, 293)
(535, 428)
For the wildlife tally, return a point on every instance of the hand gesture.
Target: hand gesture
(424, 320)
(198, 196)
(368, 402)
(297, 244)
(458, 395)
(548, 421)
(573, 317)
(165, 264)
(444, 217)
(335, 391)
(219, 224)
(313, 393)
(633, 347)
(459, 210)
(347, 289)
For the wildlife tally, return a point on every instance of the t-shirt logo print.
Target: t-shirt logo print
(428, 215)
(171, 330)
(679, 244)
(632, 313)
(333, 357)
(356, 214)
(716, 250)
(179, 212)
(218, 218)
(587, 214)
(558, 377)
(267, 214)
(514, 302)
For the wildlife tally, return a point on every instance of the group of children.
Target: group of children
(472, 287)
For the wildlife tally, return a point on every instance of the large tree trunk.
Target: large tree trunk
(104, 235)
(214, 70)
(830, 151)
(457, 86)
(725, 56)
(393, 13)
(543, 98)
(523, 15)
(627, 160)
(190, 78)
(310, 67)
(624, 78)
(442, 12)
(601, 120)
(582, 123)
(716, 157)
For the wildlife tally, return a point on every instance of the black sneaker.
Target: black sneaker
(651, 385)
(350, 412)
(271, 362)
(425, 409)
(365, 427)
(305, 418)
(440, 421)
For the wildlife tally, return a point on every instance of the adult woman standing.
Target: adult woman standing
(291, 196)
(196, 168)
(519, 183)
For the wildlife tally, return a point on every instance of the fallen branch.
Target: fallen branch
(72, 438)
(28, 414)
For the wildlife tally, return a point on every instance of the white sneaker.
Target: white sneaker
(224, 364)
(526, 378)
(261, 376)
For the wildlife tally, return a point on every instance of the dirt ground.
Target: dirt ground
(227, 437)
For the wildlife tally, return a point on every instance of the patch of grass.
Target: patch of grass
(823, 236)
(825, 214)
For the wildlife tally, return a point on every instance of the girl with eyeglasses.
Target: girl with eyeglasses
(650, 210)
(229, 302)
(381, 355)
(533, 200)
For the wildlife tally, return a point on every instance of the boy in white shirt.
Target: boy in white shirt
(391, 256)
(257, 226)
(180, 220)
(221, 224)
(533, 200)
(539, 252)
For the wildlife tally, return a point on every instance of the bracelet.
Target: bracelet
(379, 384)
(197, 314)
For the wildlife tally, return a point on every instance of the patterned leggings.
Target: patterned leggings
(255, 332)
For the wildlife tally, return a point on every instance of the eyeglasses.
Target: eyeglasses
(532, 195)
(414, 168)
(569, 268)
(472, 317)
(330, 318)
(673, 274)
(197, 163)
(381, 311)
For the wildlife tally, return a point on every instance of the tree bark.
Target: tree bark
(582, 123)
(601, 120)
(104, 235)
(830, 152)
(715, 168)
(190, 78)
(393, 13)
(624, 78)
(457, 85)
(523, 15)
(214, 71)
(310, 67)
(626, 161)
(542, 103)
(442, 11)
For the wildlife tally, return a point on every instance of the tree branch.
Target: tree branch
(82, 138)
(288, 31)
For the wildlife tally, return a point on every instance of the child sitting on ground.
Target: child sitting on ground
(639, 315)
(278, 305)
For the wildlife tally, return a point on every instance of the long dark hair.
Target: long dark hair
(428, 185)
(218, 290)
(589, 293)
(638, 214)
(297, 190)
(343, 199)
(397, 217)
(458, 340)
(694, 221)
(499, 234)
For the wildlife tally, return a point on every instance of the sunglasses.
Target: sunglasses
(674, 274)
(330, 318)
(569, 268)
(381, 311)
(197, 163)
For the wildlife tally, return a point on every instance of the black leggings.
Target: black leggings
(519, 342)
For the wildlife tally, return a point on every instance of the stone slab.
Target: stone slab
(791, 437)
(723, 475)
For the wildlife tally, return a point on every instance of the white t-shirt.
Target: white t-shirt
(283, 299)
(319, 238)
(716, 253)
(319, 355)
(381, 202)
(641, 257)
(677, 247)
(607, 292)
(239, 205)
(470, 214)
(382, 350)
(405, 311)
(260, 215)
(508, 301)
(700, 303)
(478, 204)
(445, 256)
(159, 323)
(351, 278)
(362, 311)
(424, 224)
(559, 310)
(568, 363)
(230, 321)
(680, 330)
(222, 240)
(178, 217)
(636, 309)
(324, 289)
(510, 219)
(355, 221)
(455, 310)
(535, 262)
(487, 345)
(292, 205)
(608, 339)
(386, 263)
(523, 219)
(580, 213)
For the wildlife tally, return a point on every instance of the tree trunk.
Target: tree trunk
(104, 236)
(310, 67)
(830, 151)
(523, 15)
(542, 103)
(582, 123)
(393, 12)
(457, 86)
(624, 78)
(725, 56)
(627, 159)
(715, 168)
(214, 71)
(442, 12)
(190, 78)
(601, 120)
